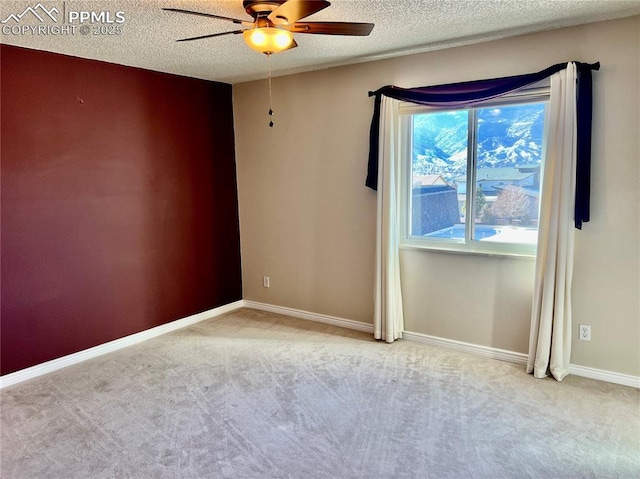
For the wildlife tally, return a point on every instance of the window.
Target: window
(471, 177)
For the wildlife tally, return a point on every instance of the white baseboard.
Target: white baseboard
(478, 350)
(608, 376)
(485, 351)
(320, 318)
(80, 356)
(444, 343)
(462, 347)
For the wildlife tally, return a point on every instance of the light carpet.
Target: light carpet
(259, 395)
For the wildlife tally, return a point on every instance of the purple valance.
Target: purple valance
(468, 93)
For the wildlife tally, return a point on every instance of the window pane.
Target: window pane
(508, 162)
(439, 157)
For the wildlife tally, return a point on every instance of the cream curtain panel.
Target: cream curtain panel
(550, 338)
(388, 319)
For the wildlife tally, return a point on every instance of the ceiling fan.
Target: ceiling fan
(275, 22)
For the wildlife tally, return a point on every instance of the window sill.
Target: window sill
(465, 249)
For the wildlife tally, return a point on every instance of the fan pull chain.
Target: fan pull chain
(270, 100)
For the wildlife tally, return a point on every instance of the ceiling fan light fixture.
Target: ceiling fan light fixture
(268, 39)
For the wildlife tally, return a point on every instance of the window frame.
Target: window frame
(536, 94)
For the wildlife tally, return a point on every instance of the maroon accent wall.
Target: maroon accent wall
(119, 202)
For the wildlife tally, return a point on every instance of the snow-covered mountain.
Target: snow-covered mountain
(508, 136)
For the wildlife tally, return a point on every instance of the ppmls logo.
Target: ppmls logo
(70, 22)
(34, 11)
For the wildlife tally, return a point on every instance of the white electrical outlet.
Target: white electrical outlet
(265, 281)
(585, 332)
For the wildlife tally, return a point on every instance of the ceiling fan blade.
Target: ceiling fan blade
(293, 10)
(333, 28)
(234, 32)
(210, 15)
(293, 45)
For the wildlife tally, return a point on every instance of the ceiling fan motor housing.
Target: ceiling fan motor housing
(261, 8)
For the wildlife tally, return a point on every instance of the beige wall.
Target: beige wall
(307, 220)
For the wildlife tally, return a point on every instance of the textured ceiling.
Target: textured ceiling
(402, 26)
